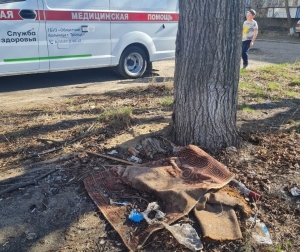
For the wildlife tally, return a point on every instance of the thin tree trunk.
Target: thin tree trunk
(208, 54)
(288, 14)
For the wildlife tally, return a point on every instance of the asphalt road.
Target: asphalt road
(31, 90)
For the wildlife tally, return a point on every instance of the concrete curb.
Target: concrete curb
(278, 41)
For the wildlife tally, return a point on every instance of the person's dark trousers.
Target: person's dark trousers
(245, 50)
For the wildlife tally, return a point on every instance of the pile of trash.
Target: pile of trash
(139, 199)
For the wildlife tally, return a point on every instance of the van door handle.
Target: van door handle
(84, 28)
(27, 14)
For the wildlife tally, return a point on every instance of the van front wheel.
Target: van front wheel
(133, 63)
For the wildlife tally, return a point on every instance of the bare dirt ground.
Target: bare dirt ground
(49, 121)
(30, 90)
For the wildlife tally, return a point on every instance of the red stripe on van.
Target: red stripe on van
(9, 15)
(40, 15)
(93, 16)
(110, 16)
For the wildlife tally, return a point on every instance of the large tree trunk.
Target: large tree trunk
(208, 54)
(289, 19)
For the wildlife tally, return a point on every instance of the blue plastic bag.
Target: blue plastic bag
(135, 216)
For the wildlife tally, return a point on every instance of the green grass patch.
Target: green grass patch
(275, 70)
(295, 82)
(118, 116)
(246, 108)
(274, 83)
(259, 91)
(69, 101)
(278, 248)
(246, 86)
(266, 76)
(290, 94)
(274, 86)
(90, 99)
(167, 101)
(289, 244)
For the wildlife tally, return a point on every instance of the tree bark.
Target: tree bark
(288, 14)
(207, 67)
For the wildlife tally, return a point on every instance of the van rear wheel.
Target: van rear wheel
(133, 63)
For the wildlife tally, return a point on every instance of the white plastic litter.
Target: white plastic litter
(135, 159)
(295, 191)
(153, 206)
(112, 152)
(260, 232)
(231, 148)
(186, 235)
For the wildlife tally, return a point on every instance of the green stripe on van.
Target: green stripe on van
(48, 58)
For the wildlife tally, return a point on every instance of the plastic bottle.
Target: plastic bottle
(243, 189)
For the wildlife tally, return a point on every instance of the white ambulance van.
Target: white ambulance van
(58, 35)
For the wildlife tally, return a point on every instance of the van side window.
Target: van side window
(78, 4)
(144, 5)
(10, 1)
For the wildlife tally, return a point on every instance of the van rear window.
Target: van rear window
(10, 1)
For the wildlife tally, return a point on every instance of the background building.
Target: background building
(271, 14)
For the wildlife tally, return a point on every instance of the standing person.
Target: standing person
(250, 31)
